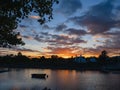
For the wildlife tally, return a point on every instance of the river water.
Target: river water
(20, 79)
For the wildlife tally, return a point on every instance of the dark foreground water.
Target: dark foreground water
(20, 79)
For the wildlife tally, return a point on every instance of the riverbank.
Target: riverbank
(114, 67)
(60, 63)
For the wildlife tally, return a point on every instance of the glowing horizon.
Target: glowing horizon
(79, 27)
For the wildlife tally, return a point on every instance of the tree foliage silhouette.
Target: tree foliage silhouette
(13, 11)
(103, 57)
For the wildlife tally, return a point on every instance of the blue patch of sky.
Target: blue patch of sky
(86, 4)
(33, 44)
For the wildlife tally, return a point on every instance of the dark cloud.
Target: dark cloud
(47, 27)
(45, 33)
(112, 43)
(23, 26)
(61, 37)
(54, 39)
(112, 34)
(78, 32)
(28, 37)
(15, 49)
(65, 40)
(78, 40)
(99, 18)
(92, 51)
(60, 27)
(38, 38)
(69, 7)
(26, 50)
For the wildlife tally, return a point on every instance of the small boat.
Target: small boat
(40, 76)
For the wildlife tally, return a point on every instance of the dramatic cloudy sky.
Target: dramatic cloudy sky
(79, 27)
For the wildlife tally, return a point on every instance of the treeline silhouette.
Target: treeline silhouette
(55, 62)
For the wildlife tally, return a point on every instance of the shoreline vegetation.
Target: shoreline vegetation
(103, 62)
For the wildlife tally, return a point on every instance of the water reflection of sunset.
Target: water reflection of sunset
(66, 75)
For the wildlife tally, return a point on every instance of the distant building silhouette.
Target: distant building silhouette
(93, 60)
(80, 59)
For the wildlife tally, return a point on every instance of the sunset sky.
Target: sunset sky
(79, 27)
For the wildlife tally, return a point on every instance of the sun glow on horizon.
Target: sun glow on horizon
(83, 29)
(64, 53)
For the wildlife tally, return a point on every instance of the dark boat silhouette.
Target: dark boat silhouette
(39, 76)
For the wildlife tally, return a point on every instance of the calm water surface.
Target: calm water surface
(20, 79)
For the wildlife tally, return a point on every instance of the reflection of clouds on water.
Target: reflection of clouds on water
(58, 80)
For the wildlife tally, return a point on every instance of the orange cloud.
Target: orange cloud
(31, 54)
(63, 52)
(67, 52)
(35, 17)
